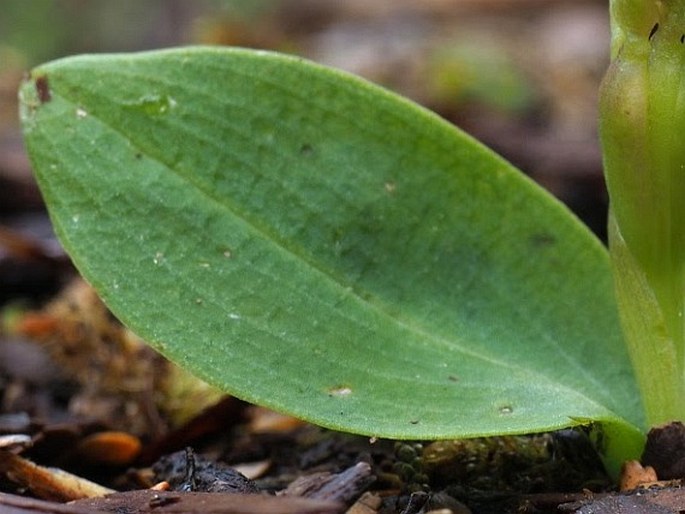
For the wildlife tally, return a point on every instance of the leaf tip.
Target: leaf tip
(34, 92)
(43, 89)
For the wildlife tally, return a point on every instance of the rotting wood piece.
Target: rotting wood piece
(653, 500)
(13, 504)
(665, 451)
(345, 486)
(168, 502)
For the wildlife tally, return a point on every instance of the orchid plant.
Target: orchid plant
(311, 242)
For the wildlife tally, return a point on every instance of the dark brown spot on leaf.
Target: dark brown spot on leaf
(541, 239)
(43, 89)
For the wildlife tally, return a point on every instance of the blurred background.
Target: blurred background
(520, 75)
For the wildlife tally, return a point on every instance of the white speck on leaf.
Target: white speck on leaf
(340, 391)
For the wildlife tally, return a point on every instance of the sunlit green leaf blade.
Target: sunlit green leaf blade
(310, 242)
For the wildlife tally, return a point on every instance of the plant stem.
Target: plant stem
(642, 127)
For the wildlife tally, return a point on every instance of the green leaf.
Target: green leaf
(313, 243)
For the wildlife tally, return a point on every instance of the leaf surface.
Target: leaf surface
(313, 243)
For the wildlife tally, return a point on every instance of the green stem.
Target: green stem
(643, 133)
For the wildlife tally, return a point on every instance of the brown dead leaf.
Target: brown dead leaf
(634, 475)
(123, 381)
(109, 448)
(47, 483)
(266, 421)
(369, 503)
